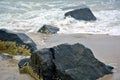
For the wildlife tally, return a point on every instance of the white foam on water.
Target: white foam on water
(115, 65)
(107, 23)
(30, 16)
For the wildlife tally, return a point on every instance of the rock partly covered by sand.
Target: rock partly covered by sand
(19, 38)
(68, 62)
(9, 69)
(82, 13)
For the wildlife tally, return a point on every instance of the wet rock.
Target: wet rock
(83, 13)
(19, 38)
(5, 56)
(68, 62)
(41, 61)
(23, 62)
(48, 29)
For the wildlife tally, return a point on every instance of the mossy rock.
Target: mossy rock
(28, 70)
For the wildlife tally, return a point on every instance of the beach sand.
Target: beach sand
(105, 48)
(10, 71)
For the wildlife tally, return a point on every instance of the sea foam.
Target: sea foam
(32, 15)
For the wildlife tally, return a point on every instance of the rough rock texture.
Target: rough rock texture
(48, 29)
(68, 62)
(19, 38)
(83, 13)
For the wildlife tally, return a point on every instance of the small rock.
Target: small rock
(48, 29)
(6, 56)
(23, 62)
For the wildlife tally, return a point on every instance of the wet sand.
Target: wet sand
(9, 70)
(105, 48)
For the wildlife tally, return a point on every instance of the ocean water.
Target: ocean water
(30, 15)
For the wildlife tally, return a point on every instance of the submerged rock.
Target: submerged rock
(48, 29)
(68, 62)
(83, 13)
(19, 38)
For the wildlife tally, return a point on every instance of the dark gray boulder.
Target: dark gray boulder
(68, 62)
(48, 29)
(19, 38)
(23, 62)
(83, 13)
(41, 61)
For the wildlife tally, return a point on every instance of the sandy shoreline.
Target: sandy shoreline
(9, 70)
(105, 48)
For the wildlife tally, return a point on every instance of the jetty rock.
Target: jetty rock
(82, 13)
(68, 62)
(19, 38)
